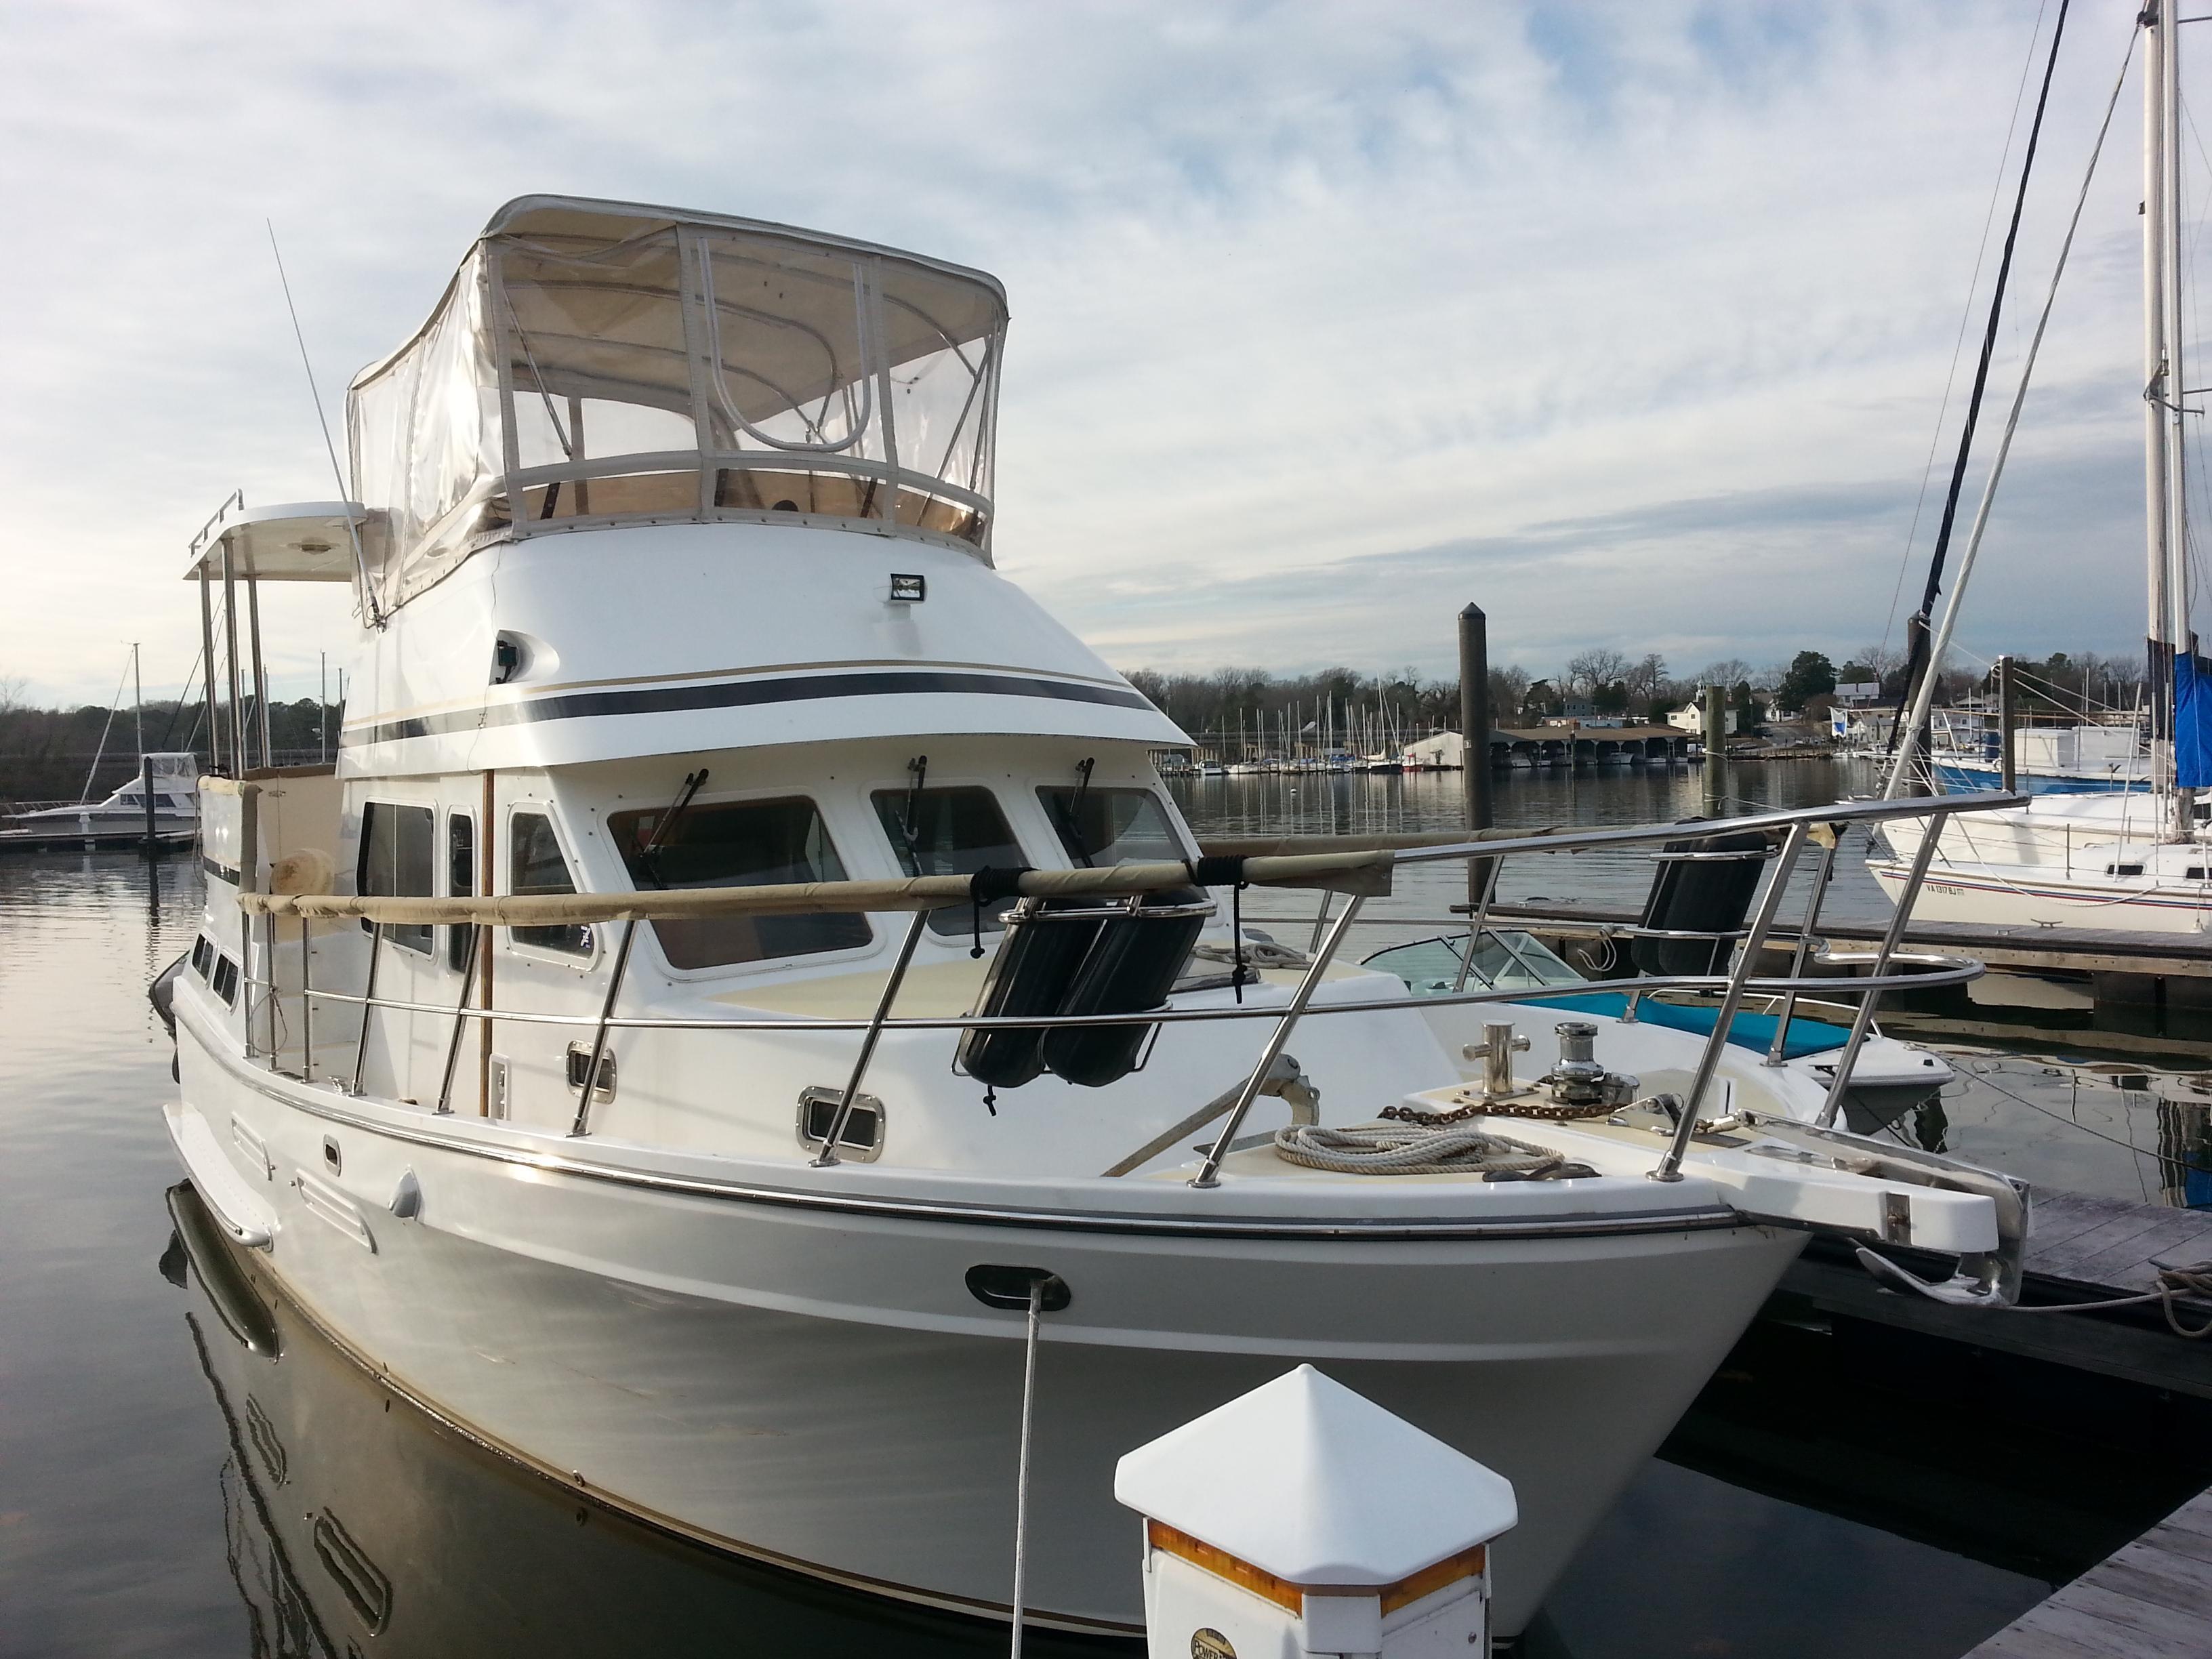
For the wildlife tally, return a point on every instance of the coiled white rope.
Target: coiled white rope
(1410, 1149)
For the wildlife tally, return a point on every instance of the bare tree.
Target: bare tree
(1595, 669)
(1645, 678)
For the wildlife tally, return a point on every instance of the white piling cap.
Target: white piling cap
(1308, 1481)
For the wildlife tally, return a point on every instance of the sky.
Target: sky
(1631, 323)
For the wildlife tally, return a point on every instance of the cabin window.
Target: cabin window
(954, 832)
(1111, 826)
(203, 955)
(396, 863)
(2123, 869)
(225, 979)
(535, 865)
(461, 882)
(750, 843)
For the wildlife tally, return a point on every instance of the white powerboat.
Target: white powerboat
(742, 974)
(121, 817)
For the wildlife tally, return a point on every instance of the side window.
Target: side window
(535, 865)
(460, 881)
(396, 862)
(949, 832)
(1111, 826)
(749, 844)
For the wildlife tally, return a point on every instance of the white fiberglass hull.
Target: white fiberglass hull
(817, 1387)
(2101, 861)
(2030, 896)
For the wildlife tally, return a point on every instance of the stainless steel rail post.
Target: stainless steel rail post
(306, 1009)
(1479, 922)
(582, 1123)
(1774, 1051)
(828, 1153)
(1209, 1172)
(367, 1004)
(460, 1022)
(238, 753)
(249, 881)
(269, 955)
(260, 671)
(207, 680)
(1863, 1022)
(1670, 1167)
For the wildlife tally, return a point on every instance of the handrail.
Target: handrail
(1959, 970)
(1364, 868)
(1367, 872)
(1358, 872)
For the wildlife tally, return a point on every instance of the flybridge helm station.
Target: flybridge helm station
(595, 363)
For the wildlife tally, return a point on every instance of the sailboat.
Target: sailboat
(2131, 860)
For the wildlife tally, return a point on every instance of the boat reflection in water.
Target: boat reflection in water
(357, 1524)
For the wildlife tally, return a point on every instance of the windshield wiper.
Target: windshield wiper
(648, 857)
(1070, 813)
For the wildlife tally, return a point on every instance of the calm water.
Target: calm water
(165, 1490)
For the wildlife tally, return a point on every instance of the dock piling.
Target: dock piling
(1716, 735)
(2008, 719)
(1474, 721)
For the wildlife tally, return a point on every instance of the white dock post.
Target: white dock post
(1301, 1519)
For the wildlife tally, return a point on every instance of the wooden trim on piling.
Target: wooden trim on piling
(1467, 1564)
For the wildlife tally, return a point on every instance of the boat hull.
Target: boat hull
(822, 1389)
(2021, 895)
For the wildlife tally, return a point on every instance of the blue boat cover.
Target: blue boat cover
(2193, 721)
(1754, 1032)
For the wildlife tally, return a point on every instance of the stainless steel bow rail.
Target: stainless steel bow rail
(1358, 869)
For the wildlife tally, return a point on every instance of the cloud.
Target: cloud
(1629, 321)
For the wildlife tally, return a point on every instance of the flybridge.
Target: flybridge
(596, 363)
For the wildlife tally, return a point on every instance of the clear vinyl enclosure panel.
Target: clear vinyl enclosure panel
(593, 363)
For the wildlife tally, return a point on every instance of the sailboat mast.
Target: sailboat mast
(138, 697)
(2154, 318)
(2174, 584)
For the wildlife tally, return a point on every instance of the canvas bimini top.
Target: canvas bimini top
(601, 362)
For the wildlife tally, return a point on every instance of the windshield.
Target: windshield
(1111, 826)
(954, 832)
(750, 843)
(1508, 959)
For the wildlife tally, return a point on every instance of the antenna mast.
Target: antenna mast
(353, 531)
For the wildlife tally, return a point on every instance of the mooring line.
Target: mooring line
(1022, 1467)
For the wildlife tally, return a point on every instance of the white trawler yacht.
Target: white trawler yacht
(742, 972)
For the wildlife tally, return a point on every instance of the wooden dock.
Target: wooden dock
(2151, 1601)
(2080, 1248)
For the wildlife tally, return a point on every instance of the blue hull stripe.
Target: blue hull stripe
(744, 693)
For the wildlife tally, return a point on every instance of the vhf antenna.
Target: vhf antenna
(353, 531)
